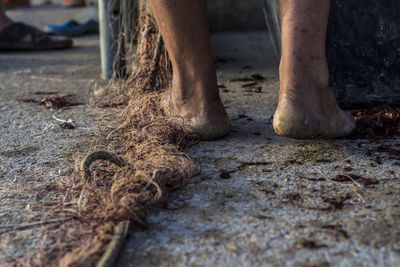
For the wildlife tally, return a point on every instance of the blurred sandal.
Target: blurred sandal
(19, 36)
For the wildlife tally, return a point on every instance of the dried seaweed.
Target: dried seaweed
(55, 102)
(377, 123)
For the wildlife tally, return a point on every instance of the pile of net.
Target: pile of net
(151, 147)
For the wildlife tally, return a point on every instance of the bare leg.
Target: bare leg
(194, 94)
(307, 108)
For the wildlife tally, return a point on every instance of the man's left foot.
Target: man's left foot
(314, 116)
(307, 108)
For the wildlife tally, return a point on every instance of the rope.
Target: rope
(98, 155)
(115, 246)
(121, 230)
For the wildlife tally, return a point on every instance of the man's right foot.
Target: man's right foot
(207, 118)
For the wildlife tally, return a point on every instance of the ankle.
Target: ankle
(304, 74)
(194, 90)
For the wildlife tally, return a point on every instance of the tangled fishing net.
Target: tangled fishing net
(149, 147)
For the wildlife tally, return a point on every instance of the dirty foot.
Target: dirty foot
(205, 118)
(311, 116)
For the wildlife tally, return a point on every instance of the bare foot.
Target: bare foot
(299, 117)
(206, 118)
(194, 94)
(307, 109)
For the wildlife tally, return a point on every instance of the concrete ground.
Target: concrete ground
(263, 200)
(260, 199)
(36, 155)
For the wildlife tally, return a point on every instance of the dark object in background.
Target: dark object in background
(10, 4)
(363, 50)
(377, 124)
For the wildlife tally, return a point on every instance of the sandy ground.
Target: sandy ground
(260, 199)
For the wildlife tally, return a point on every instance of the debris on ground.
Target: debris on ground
(394, 154)
(309, 244)
(224, 174)
(253, 78)
(249, 84)
(243, 116)
(257, 89)
(377, 123)
(45, 93)
(336, 202)
(355, 178)
(67, 125)
(258, 77)
(56, 102)
(245, 79)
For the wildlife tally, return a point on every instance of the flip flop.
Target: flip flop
(67, 25)
(19, 36)
(72, 28)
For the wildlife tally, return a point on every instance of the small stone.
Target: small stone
(232, 246)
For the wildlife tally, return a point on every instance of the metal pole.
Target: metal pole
(112, 50)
